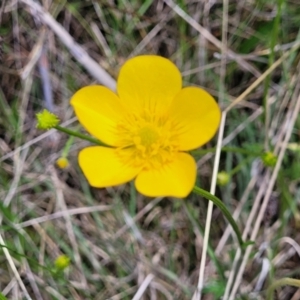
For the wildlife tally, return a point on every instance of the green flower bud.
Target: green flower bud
(223, 178)
(269, 159)
(46, 120)
(62, 262)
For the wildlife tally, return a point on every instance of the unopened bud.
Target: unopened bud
(223, 178)
(269, 159)
(62, 162)
(62, 262)
(46, 120)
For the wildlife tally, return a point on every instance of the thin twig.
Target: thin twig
(203, 31)
(198, 292)
(13, 267)
(62, 213)
(147, 39)
(263, 76)
(143, 287)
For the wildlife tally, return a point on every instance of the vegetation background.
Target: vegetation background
(122, 245)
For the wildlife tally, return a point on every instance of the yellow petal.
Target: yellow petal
(196, 116)
(174, 179)
(103, 168)
(98, 110)
(148, 82)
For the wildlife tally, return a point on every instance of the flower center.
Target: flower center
(147, 136)
(148, 142)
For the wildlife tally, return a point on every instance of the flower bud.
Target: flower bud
(62, 162)
(269, 159)
(46, 120)
(223, 178)
(62, 262)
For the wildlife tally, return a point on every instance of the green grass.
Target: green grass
(113, 251)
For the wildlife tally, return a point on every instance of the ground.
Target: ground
(117, 243)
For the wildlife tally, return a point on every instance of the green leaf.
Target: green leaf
(2, 297)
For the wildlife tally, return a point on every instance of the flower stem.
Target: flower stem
(224, 210)
(79, 135)
(67, 147)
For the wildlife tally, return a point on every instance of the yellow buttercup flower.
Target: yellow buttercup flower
(149, 123)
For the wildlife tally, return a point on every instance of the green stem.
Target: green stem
(281, 282)
(79, 135)
(239, 166)
(224, 210)
(68, 146)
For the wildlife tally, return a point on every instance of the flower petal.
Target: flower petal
(99, 110)
(175, 179)
(196, 116)
(102, 167)
(148, 82)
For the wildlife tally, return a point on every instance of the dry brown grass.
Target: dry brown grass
(122, 245)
